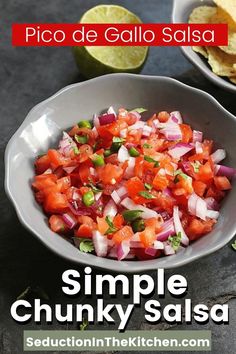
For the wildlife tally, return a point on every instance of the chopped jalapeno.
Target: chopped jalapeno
(98, 160)
(88, 198)
(84, 124)
(131, 215)
(133, 152)
(107, 152)
(81, 139)
(138, 225)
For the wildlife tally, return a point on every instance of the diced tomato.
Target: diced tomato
(84, 231)
(55, 202)
(110, 174)
(207, 146)
(64, 183)
(85, 152)
(44, 181)
(187, 133)
(205, 173)
(199, 188)
(154, 224)
(164, 202)
(134, 137)
(42, 164)
(134, 186)
(222, 183)
(215, 193)
(102, 225)
(56, 159)
(118, 221)
(84, 172)
(57, 224)
(142, 256)
(185, 183)
(197, 228)
(163, 116)
(160, 182)
(123, 234)
(148, 236)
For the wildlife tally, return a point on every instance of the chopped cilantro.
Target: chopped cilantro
(83, 326)
(112, 227)
(175, 241)
(147, 146)
(179, 173)
(234, 245)
(86, 245)
(147, 195)
(94, 188)
(148, 186)
(139, 110)
(150, 159)
(76, 150)
(196, 165)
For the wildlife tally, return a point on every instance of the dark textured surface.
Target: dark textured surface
(29, 75)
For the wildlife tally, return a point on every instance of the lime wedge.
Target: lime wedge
(96, 61)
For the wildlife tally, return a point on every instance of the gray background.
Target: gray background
(29, 75)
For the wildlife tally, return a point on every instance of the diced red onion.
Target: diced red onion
(123, 133)
(179, 228)
(107, 118)
(168, 249)
(66, 144)
(69, 169)
(180, 150)
(146, 131)
(172, 132)
(221, 170)
(135, 237)
(95, 132)
(130, 168)
(212, 214)
(111, 111)
(98, 196)
(197, 136)
(136, 244)
(151, 251)
(115, 197)
(122, 192)
(96, 121)
(146, 212)
(158, 245)
(123, 250)
(69, 220)
(123, 154)
(48, 171)
(218, 155)
(100, 244)
(136, 114)
(212, 204)
(197, 206)
(198, 147)
(113, 254)
(110, 209)
(92, 171)
(176, 117)
(167, 230)
(138, 125)
(77, 210)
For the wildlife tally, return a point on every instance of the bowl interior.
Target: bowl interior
(180, 14)
(43, 127)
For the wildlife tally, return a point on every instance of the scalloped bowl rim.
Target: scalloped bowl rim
(114, 265)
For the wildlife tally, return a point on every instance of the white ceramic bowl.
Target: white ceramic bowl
(45, 122)
(180, 14)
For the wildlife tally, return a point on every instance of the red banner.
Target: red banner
(52, 34)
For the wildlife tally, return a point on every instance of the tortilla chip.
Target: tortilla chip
(201, 50)
(233, 80)
(222, 64)
(202, 14)
(229, 6)
(223, 17)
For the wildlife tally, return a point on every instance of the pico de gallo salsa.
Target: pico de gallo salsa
(125, 188)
